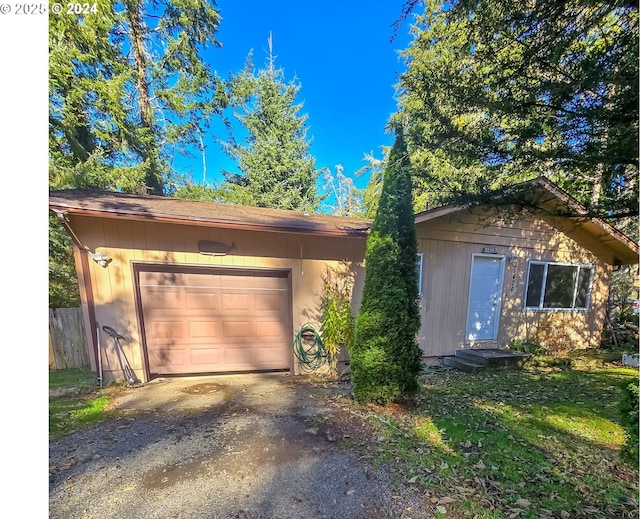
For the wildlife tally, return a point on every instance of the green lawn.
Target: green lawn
(75, 401)
(515, 444)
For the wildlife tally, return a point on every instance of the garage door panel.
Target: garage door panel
(202, 301)
(169, 355)
(270, 282)
(270, 302)
(237, 282)
(267, 355)
(204, 329)
(201, 280)
(168, 279)
(271, 330)
(167, 330)
(233, 301)
(239, 356)
(198, 322)
(236, 329)
(206, 357)
(161, 298)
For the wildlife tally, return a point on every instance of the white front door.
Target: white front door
(485, 294)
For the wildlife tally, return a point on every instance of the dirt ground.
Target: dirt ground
(236, 446)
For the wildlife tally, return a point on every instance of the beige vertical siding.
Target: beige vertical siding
(448, 244)
(134, 241)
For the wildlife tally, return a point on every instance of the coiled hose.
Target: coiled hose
(309, 348)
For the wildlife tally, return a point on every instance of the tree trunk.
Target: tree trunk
(153, 179)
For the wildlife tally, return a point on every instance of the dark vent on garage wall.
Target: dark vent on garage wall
(215, 248)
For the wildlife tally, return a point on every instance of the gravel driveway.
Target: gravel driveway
(238, 446)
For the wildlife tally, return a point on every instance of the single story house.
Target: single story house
(531, 266)
(197, 287)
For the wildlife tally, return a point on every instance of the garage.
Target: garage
(200, 287)
(214, 320)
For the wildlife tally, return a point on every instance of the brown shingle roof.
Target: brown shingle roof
(175, 210)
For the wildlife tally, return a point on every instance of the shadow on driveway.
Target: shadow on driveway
(234, 446)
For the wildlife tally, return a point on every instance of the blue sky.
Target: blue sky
(341, 55)
(338, 51)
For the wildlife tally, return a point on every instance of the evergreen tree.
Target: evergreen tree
(370, 194)
(497, 92)
(386, 359)
(276, 169)
(63, 283)
(128, 89)
(194, 191)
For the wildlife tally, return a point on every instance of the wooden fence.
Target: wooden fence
(67, 339)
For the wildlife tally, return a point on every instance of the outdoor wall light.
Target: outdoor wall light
(101, 258)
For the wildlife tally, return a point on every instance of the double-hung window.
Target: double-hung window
(558, 286)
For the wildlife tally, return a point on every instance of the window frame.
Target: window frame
(420, 265)
(546, 264)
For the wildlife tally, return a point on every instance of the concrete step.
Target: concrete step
(474, 360)
(493, 357)
(470, 356)
(463, 365)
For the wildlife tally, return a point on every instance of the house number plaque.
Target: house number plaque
(513, 276)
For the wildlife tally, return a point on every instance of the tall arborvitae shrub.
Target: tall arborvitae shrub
(386, 359)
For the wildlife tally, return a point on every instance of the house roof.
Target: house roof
(88, 202)
(548, 199)
(539, 193)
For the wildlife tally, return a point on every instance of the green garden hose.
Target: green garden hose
(309, 348)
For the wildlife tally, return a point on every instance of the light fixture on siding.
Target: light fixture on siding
(101, 258)
(214, 248)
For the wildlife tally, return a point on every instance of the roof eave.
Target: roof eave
(210, 222)
(626, 251)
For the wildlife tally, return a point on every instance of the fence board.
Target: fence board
(67, 339)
